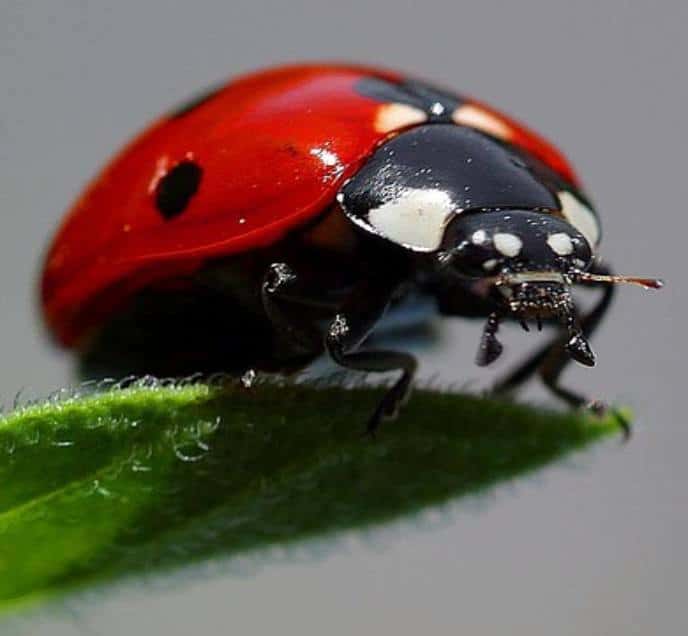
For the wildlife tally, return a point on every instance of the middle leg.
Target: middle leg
(284, 297)
(347, 331)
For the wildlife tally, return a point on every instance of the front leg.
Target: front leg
(552, 359)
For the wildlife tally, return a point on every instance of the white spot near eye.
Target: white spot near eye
(560, 243)
(580, 216)
(479, 237)
(394, 116)
(416, 219)
(507, 244)
(490, 264)
(474, 116)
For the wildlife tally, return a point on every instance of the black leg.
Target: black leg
(490, 348)
(284, 298)
(348, 330)
(551, 360)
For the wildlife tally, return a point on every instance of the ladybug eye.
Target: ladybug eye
(175, 189)
(478, 254)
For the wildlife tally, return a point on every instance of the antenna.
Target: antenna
(647, 283)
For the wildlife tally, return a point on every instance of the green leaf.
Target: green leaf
(152, 477)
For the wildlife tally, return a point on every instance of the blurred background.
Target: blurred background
(593, 547)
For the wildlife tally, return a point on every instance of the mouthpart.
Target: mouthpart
(539, 295)
(544, 295)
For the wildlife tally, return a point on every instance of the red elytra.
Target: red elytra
(259, 142)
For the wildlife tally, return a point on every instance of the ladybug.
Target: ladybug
(279, 217)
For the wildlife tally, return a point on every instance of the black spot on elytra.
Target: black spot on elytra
(175, 189)
(437, 103)
(196, 101)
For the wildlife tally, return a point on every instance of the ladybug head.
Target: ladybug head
(525, 261)
(519, 246)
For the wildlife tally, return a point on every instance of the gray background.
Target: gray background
(593, 547)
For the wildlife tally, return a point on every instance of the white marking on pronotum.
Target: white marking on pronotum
(477, 117)
(490, 264)
(416, 219)
(580, 216)
(479, 237)
(560, 243)
(394, 116)
(507, 244)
